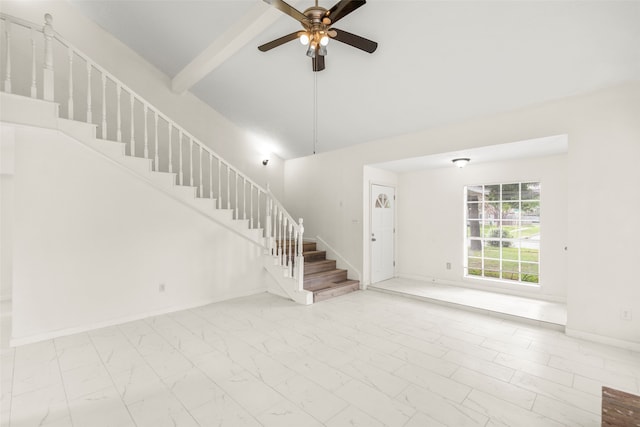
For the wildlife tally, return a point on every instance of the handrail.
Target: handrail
(20, 21)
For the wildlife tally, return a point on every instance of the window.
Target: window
(383, 201)
(503, 232)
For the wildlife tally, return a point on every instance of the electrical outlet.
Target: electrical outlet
(626, 314)
(448, 266)
(161, 287)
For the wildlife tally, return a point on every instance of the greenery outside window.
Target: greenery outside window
(503, 232)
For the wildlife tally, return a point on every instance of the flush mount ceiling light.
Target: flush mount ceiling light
(461, 162)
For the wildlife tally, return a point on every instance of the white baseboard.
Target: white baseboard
(628, 345)
(14, 342)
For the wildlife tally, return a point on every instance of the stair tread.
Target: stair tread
(319, 261)
(325, 273)
(304, 253)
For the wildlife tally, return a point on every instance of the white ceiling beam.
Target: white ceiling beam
(258, 18)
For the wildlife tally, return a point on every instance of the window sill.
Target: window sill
(502, 282)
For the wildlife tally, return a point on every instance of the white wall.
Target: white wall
(603, 130)
(92, 243)
(431, 217)
(242, 149)
(604, 207)
(7, 148)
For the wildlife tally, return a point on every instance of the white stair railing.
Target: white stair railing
(89, 93)
(285, 240)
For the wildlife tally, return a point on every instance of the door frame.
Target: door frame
(370, 201)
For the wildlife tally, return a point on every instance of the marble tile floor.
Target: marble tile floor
(365, 359)
(537, 312)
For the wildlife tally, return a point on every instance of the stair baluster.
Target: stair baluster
(228, 184)
(200, 176)
(181, 167)
(219, 184)
(280, 237)
(276, 228)
(299, 256)
(210, 176)
(251, 205)
(191, 162)
(89, 112)
(146, 132)
(104, 106)
(118, 113)
(47, 73)
(258, 212)
(237, 211)
(34, 89)
(7, 75)
(156, 158)
(289, 259)
(170, 147)
(244, 198)
(285, 226)
(274, 242)
(132, 147)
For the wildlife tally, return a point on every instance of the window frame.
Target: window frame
(526, 266)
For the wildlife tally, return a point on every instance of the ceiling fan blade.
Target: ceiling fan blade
(355, 41)
(277, 42)
(289, 10)
(343, 8)
(317, 62)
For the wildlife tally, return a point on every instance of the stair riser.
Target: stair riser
(334, 292)
(317, 268)
(338, 276)
(319, 256)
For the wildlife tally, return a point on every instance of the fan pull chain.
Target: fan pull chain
(315, 112)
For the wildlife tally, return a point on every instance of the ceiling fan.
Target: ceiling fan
(317, 23)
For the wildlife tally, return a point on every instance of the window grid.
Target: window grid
(502, 239)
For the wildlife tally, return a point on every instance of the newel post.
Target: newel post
(48, 32)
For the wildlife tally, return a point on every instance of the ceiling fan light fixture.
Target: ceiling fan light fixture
(311, 51)
(324, 40)
(322, 50)
(304, 39)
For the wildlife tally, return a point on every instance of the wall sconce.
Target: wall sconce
(265, 161)
(461, 162)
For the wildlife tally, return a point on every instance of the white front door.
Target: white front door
(382, 232)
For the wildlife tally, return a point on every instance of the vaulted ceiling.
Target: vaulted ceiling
(438, 62)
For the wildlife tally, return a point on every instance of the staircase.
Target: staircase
(104, 114)
(321, 277)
